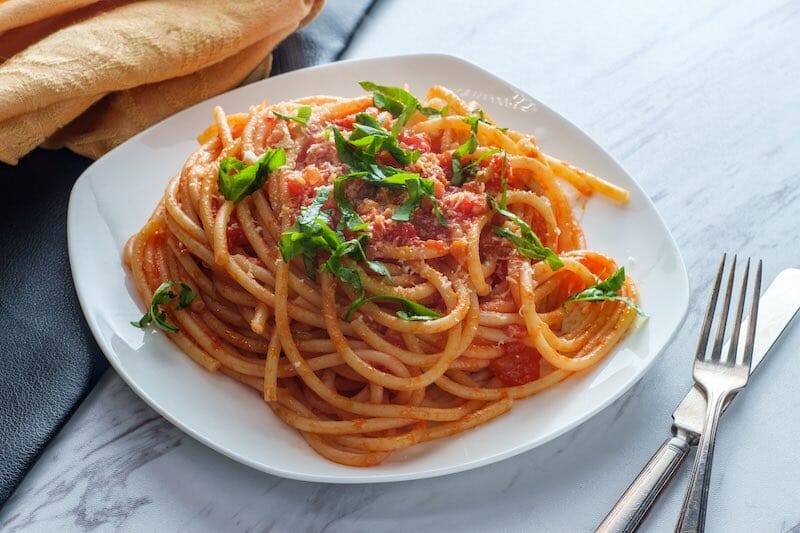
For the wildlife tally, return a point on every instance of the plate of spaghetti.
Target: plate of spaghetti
(374, 270)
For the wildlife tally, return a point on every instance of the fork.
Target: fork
(719, 378)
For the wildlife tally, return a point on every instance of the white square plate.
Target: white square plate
(114, 197)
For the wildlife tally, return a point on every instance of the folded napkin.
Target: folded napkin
(88, 74)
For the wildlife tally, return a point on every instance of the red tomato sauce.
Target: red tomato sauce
(236, 236)
(517, 331)
(518, 366)
(396, 233)
(494, 183)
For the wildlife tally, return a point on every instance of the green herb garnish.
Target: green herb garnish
(478, 112)
(410, 310)
(360, 157)
(527, 243)
(350, 217)
(311, 233)
(468, 147)
(504, 184)
(475, 162)
(399, 102)
(354, 249)
(303, 114)
(237, 181)
(607, 290)
(161, 297)
(307, 235)
(418, 189)
(370, 136)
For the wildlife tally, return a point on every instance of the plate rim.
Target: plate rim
(366, 478)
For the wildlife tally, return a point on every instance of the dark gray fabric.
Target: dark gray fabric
(324, 39)
(48, 358)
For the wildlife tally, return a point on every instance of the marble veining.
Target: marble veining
(699, 101)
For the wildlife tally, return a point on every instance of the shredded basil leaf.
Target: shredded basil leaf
(346, 274)
(504, 184)
(350, 155)
(468, 147)
(607, 290)
(310, 264)
(370, 136)
(475, 162)
(532, 249)
(350, 217)
(354, 249)
(430, 111)
(399, 102)
(313, 211)
(527, 242)
(417, 190)
(410, 310)
(306, 235)
(303, 114)
(482, 118)
(237, 181)
(161, 297)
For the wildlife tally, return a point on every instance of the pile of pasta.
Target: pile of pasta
(458, 314)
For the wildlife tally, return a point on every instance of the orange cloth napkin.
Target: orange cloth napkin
(88, 74)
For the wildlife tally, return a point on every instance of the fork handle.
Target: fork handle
(632, 507)
(693, 512)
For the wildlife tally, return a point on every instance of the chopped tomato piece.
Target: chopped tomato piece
(415, 141)
(467, 204)
(438, 189)
(296, 186)
(303, 187)
(312, 176)
(519, 365)
(345, 122)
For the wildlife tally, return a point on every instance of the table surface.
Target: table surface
(700, 102)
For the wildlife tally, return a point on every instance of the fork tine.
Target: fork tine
(712, 304)
(716, 351)
(733, 345)
(751, 330)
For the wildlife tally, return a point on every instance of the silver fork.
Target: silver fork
(719, 378)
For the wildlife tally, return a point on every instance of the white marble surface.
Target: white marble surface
(701, 102)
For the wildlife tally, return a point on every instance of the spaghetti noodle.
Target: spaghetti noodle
(383, 271)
